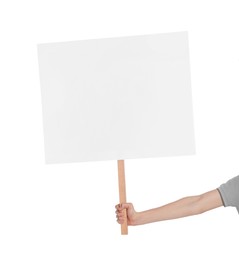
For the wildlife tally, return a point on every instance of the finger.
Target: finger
(118, 206)
(125, 206)
(120, 215)
(120, 221)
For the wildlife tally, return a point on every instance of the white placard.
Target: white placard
(117, 98)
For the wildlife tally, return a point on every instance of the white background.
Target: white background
(67, 211)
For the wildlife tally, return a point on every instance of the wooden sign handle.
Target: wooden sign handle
(122, 194)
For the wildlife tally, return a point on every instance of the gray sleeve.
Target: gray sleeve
(229, 192)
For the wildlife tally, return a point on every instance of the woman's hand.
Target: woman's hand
(130, 212)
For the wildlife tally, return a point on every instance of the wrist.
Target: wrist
(145, 217)
(137, 219)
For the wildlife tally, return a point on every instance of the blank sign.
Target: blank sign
(116, 98)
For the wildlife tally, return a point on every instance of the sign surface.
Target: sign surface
(116, 98)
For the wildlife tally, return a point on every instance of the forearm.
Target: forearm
(178, 209)
(181, 208)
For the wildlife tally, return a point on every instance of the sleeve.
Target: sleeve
(229, 192)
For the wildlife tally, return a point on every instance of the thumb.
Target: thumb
(126, 206)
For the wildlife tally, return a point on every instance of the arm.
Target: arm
(184, 207)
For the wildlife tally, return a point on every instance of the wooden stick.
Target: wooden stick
(122, 194)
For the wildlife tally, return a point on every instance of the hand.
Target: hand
(130, 212)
